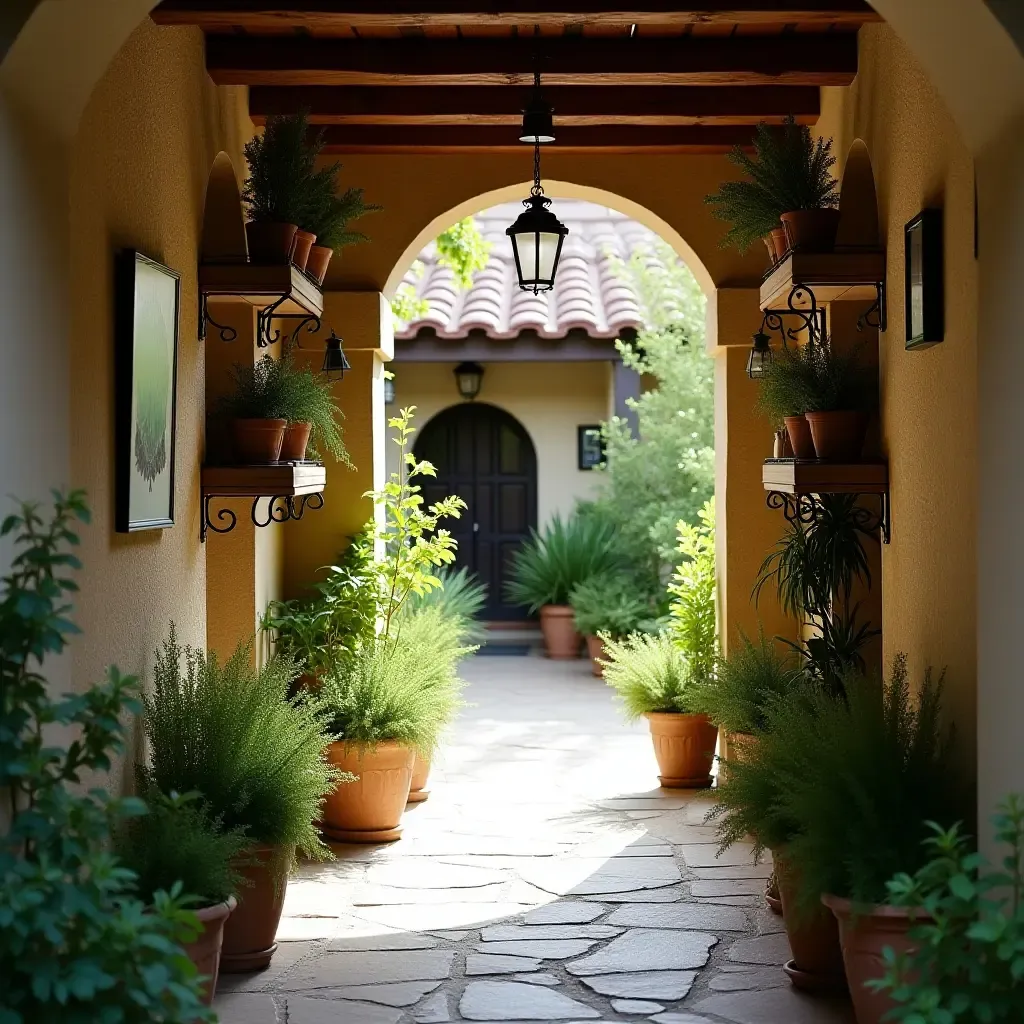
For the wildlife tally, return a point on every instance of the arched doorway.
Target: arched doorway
(485, 456)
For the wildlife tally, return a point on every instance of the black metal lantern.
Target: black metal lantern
(335, 363)
(389, 390)
(468, 378)
(538, 125)
(760, 358)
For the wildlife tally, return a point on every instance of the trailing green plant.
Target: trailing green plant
(648, 673)
(231, 733)
(77, 945)
(307, 397)
(693, 622)
(179, 843)
(549, 564)
(615, 603)
(260, 390)
(461, 596)
(837, 381)
(789, 170)
(329, 211)
(281, 162)
(788, 384)
(968, 958)
(464, 250)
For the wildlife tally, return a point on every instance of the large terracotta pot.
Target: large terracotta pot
(205, 951)
(258, 442)
(596, 651)
(781, 240)
(771, 895)
(817, 964)
(769, 244)
(316, 265)
(368, 810)
(838, 436)
(558, 624)
(685, 748)
(418, 791)
(303, 243)
(296, 439)
(250, 930)
(270, 242)
(864, 935)
(811, 230)
(800, 439)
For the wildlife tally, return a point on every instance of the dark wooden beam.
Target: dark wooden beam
(608, 139)
(337, 16)
(824, 59)
(574, 105)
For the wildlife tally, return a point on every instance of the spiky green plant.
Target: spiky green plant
(461, 597)
(648, 673)
(281, 162)
(260, 390)
(615, 603)
(569, 551)
(307, 396)
(231, 733)
(837, 380)
(329, 211)
(693, 621)
(788, 385)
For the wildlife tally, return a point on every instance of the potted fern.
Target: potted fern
(257, 410)
(311, 413)
(328, 218)
(839, 396)
(790, 179)
(611, 603)
(785, 394)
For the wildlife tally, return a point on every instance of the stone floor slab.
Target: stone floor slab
(771, 950)
(243, 1008)
(432, 917)
(680, 915)
(648, 949)
(680, 1018)
(496, 963)
(512, 932)
(542, 978)
(668, 985)
(705, 855)
(636, 1006)
(403, 993)
(670, 894)
(585, 876)
(740, 981)
(728, 887)
(302, 1010)
(509, 1000)
(385, 938)
(427, 873)
(761, 870)
(337, 970)
(565, 912)
(776, 1006)
(434, 1011)
(545, 949)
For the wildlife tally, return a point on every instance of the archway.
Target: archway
(484, 455)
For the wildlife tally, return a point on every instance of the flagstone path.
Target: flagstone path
(546, 879)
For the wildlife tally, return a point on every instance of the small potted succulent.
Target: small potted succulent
(612, 604)
(257, 410)
(328, 218)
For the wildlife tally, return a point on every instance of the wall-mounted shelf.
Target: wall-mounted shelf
(275, 291)
(289, 487)
(795, 484)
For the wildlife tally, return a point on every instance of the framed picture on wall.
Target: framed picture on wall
(923, 263)
(589, 446)
(146, 371)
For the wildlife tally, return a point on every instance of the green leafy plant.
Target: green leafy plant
(461, 596)
(693, 623)
(788, 384)
(76, 943)
(615, 603)
(329, 211)
(464, 250)
(649, 673)
(968, 963)
(260, 390)
(307, 397)
(570, 551)
(788, 171)
(837, 380)
(281, 162)
(232, 734)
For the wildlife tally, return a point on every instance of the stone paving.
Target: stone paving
(546, 879)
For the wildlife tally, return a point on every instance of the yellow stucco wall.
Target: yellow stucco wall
(929, 397)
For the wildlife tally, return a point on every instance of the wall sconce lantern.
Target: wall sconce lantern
(389, 390)
(335, 363)
(468, 378)
(760, 358)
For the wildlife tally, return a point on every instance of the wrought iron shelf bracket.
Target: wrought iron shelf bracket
(280, 509)
(803, 304)
(875, 315)
(266, 335)
(227, 333)
(803, 509)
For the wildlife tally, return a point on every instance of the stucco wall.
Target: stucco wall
(550, 400)
(929, 397)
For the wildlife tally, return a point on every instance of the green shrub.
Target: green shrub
(648, 673)
(232, 734)
(693, 622)
(260, 391)
(549, 564)
(788, 385)
(461, 596)
(968, 963)
(838, 381)
(329, 211)
(614, 603)
(308, 398)
(76, 944)
(281, 162)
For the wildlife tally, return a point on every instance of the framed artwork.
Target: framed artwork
(924, 301)
(589, 446)
(146, 372)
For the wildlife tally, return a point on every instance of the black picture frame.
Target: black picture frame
(924, 298)
(147, 300)
(590, 446)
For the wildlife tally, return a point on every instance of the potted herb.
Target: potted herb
(177, 844)
(785, 394)
(611, 603)
(261, 768)
(311, 412)
(328, 218)
(838, 402)
(547, 567)
(257, 410)
(653, 680)
(790, 179)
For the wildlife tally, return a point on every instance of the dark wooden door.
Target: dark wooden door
(484, 455)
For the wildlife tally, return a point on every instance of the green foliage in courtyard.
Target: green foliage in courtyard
(461, 597)
(260, 390)
(329, 211)
(77, 945)
(693, 619)
(787, 387)
(613, 602)
(648, 673)
(308, 397)
(463, 250)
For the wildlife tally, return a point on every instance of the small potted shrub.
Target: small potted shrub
(547, 567)
(838, 403)
(176, 844)
(653, 680)
(614, 604)
(261, 768)
(328, 218)
(785, 395)
(257, 410)
(311, 413)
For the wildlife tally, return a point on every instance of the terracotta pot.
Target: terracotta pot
(685, 748)
(838, 436)
(250, 930)
(769, 244)
(817, 964)
(558, 624)
(418, 791)
(316, 265)
(596, 650)
(205, 951)
(368, 810)
(771, 895)
(258, 442)
(303, 242)
(296, 439)
(864, 934)
(800, 439)
(811, 230)
(781, 240)
(270, 242)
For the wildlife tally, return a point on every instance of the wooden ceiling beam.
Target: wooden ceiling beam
(573, 105)
(337, 16)
(486, 139)
(826, 59)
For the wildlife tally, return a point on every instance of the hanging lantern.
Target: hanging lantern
(389, 390)
(468, 378)
(538, 125)
(335, 363)
(760, 358)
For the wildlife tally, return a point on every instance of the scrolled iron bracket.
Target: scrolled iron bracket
(803, 509)
(810, 317)
(227, 333)
(875, 315)
(280, 509)
(267, 336)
